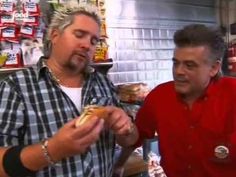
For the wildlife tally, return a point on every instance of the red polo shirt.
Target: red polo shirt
(187, 138)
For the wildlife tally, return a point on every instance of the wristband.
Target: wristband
(13, 165)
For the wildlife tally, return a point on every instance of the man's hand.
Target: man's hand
(118, 121)
(122, 126)
(71, 140)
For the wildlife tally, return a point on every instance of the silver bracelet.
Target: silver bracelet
(44, 147)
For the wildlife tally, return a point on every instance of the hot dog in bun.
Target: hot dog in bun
(90, 111)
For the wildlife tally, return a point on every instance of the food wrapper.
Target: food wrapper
(154, 169)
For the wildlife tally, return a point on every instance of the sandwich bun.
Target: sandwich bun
(90, 111)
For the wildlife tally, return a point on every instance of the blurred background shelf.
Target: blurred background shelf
(135, 166)
(4, 71)
(104, 66)
(9, 70)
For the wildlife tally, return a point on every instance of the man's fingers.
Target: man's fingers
(92, 132)
(126, 129)
(87, 127)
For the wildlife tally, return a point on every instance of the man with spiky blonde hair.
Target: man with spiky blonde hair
(40, 106)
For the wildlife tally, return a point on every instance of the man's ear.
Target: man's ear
(215, 68)
(54, 36)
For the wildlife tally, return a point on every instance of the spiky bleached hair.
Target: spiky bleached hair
(64, 16)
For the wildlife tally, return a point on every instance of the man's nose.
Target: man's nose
(179, 69)
(85, 43)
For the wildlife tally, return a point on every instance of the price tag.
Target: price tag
(6, 6)
(8, 33)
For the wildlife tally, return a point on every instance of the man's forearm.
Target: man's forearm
(2, 171)
(118, 168)
(32, 158)
(124, 155)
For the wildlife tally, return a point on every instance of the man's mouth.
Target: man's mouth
(180, 81)
(82, 56)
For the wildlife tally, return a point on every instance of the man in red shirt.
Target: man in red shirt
(194, 115)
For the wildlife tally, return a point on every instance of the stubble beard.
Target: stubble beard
(78, 65)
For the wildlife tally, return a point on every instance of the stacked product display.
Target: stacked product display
(21, 31)
(23, 28)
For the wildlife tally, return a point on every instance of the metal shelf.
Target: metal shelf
(10, 70)
(103, 67)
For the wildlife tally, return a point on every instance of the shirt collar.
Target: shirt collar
(41, 67)
(211, 87)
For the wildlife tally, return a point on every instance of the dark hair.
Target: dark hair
(201, 35)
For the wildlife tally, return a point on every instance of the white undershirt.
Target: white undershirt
(74, 94)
